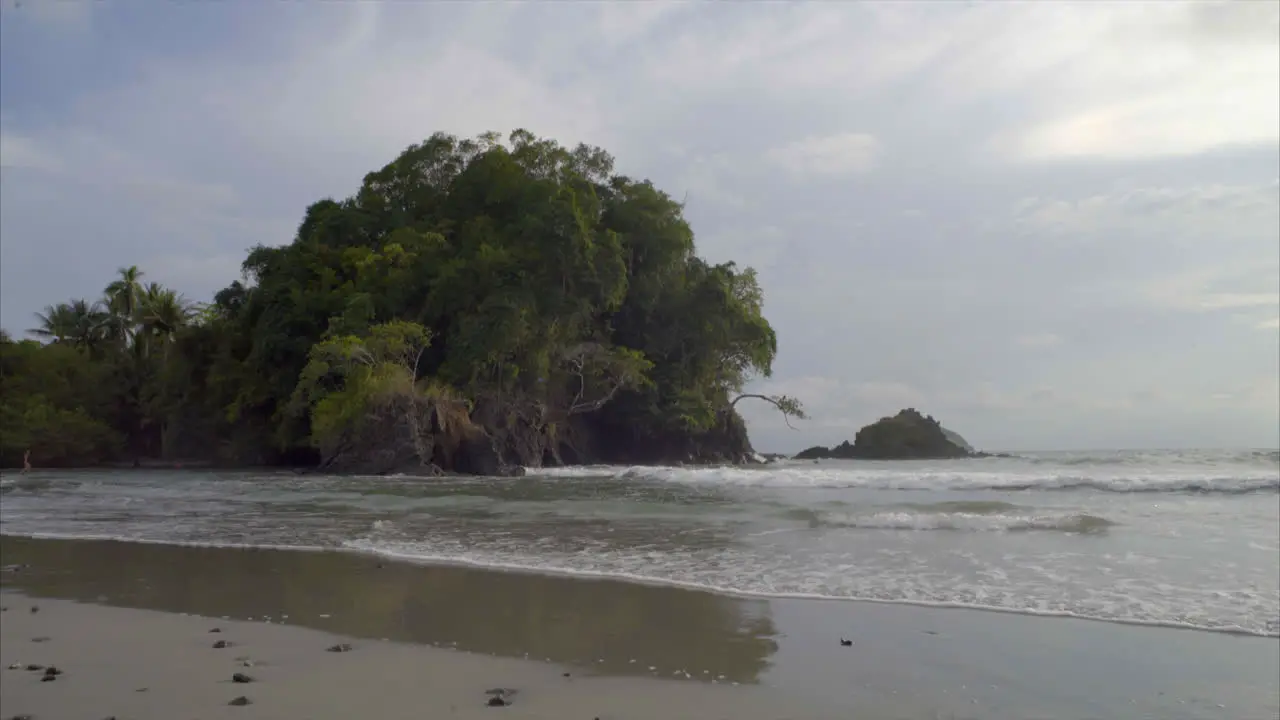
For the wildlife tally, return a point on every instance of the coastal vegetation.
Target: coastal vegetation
(909, 435)
(476, 306)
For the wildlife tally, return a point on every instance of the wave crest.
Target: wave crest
(993, 521)
(880, 478)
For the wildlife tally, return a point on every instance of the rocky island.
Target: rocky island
(477, 306)
(909, 435)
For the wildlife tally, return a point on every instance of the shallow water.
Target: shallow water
(1185, 539)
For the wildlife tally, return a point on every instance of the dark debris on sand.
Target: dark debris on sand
(241, 701)
(500, 697)
(340, 647)
(241, 678)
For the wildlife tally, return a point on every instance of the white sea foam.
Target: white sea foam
(924, 477)
(1182, 539)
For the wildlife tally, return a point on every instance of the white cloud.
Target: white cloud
(887, 290)
(1194, 208)
(1158, 80)
(1271, 324)
(1199, 290)
(840, 154)
(22, 153)
(1092, 80)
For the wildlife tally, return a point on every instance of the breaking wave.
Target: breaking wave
(880, 477)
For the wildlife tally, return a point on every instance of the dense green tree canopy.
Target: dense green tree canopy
(524, 277)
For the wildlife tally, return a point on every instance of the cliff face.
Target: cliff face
(909, 435)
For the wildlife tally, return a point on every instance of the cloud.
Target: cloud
(1125, 207)
(967, 179)
(1039, 340)
(1269, 324)
(20, 153)
(840, 154)
(1213, 288)
(1173, 87)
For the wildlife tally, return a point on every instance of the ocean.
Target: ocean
(1184, 539)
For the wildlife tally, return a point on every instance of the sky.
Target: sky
(1049, 225)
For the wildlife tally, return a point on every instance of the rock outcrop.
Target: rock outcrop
(416, 435)
(909, 435)
(430, 435)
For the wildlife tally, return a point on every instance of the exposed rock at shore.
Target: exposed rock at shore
(909, 435)
(417, 434)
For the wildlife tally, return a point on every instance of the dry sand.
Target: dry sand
(144, 664)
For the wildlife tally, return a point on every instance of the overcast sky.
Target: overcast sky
(1049, 225)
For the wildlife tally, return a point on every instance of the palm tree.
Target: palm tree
(123, 298)
(162, 312)
(79, 322)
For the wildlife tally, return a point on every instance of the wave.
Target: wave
(986, 517)
(421, 556)
(831, 477)
(1149, 458)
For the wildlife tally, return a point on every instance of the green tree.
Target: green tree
(562, 305)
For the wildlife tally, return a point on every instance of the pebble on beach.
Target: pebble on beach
(340, 647)
(241, 678)
(221, 644)
(240, 701)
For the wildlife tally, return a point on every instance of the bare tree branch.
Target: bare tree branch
(788, 406)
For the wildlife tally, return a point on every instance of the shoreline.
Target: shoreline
(449, 562)
(907, 662)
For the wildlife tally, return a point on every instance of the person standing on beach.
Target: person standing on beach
(26, 462)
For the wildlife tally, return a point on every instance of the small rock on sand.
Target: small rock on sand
(34, 668)
(216, 630)
(340, 647)
(221, 644)
(241, 678)
(42, 638)
(241, 701)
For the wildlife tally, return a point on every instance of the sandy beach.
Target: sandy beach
(140, 664)
(428, 641)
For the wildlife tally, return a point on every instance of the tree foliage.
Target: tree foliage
(521, 273)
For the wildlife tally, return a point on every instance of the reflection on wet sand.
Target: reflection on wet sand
(610, 626)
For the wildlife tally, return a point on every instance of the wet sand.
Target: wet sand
(430, 639)
(143, 664)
